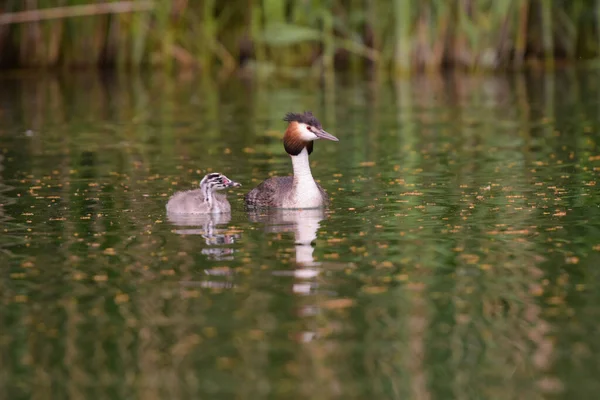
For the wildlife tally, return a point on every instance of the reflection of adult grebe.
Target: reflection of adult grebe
(304, 224)
(206, 225)
(203, 200)
(299, 190)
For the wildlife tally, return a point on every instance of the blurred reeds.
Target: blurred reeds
(395, 35)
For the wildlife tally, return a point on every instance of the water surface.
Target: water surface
(459, 258)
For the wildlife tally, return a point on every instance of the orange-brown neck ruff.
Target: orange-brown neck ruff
(292, 140)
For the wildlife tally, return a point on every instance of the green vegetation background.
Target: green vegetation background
(299, 36)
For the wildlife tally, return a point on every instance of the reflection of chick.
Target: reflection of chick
(206, 226)
(203, 200)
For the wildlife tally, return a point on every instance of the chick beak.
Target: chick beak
(322, 134)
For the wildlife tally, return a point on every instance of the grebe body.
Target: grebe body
(204, 200)
(299, 190)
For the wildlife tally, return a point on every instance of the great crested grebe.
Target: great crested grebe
(204, 200)
(299, 190)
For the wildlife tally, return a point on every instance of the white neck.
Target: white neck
(307, 194)
(301, 165)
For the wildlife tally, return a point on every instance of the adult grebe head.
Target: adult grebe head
(303, 129)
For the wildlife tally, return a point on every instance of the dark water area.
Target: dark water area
(459, 258)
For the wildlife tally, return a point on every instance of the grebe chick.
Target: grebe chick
(299, 190)
(204, 200)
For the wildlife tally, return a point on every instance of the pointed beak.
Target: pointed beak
(321, 134)
(229, 183)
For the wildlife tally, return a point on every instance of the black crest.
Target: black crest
(307, 118)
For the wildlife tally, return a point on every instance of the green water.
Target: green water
(460, 258)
